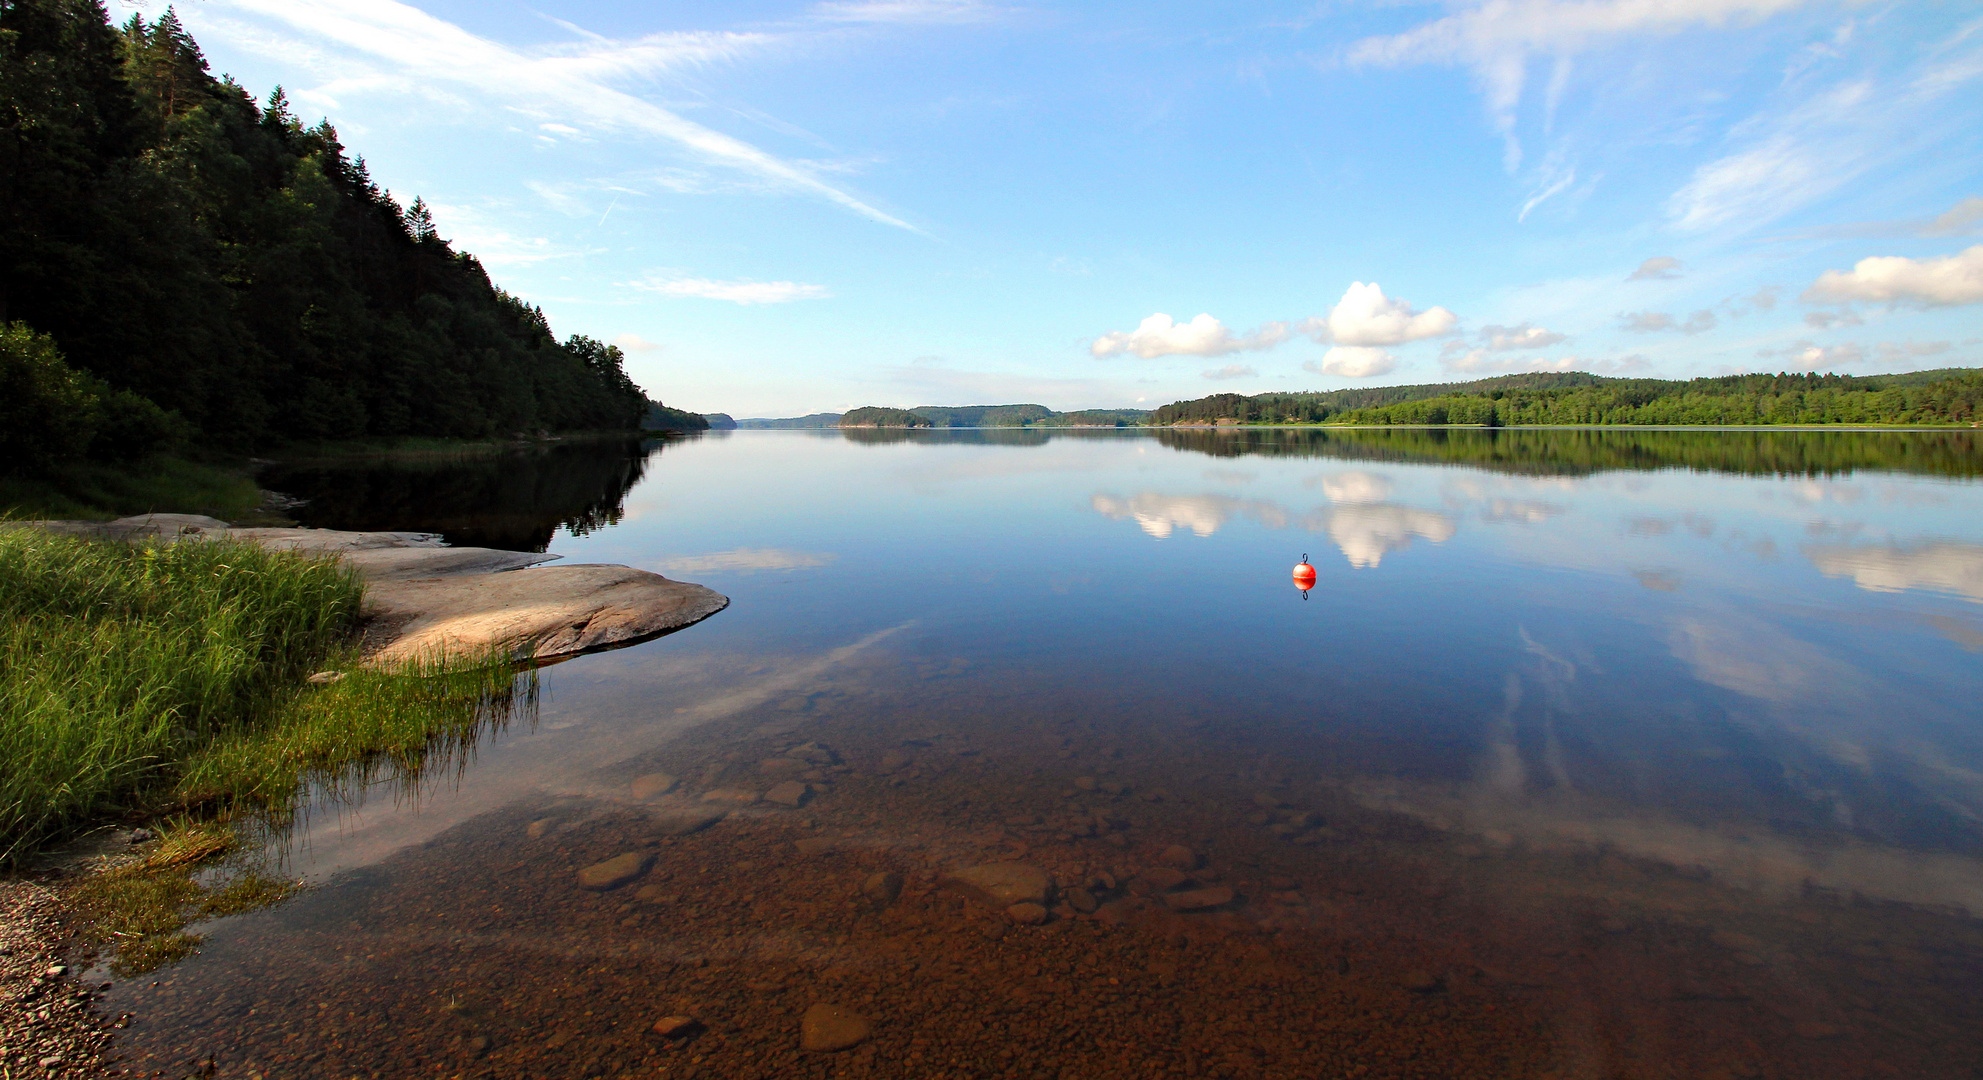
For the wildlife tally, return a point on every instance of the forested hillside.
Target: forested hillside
(1951, 396)
(168, 237)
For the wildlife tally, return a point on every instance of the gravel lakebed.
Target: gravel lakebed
(838, 896)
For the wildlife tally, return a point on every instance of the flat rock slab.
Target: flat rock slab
(538, 613)
(407, 563)
(426, 599)
(1001, 885)
(826, 1028)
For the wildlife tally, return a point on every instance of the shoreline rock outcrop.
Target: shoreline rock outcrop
(424, 598)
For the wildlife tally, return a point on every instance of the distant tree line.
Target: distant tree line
(875, 416)
(971, 416)
(209, 266)
(1950, 396)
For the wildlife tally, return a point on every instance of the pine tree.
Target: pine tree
(420, 221)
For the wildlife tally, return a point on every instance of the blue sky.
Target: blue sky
(779, 208)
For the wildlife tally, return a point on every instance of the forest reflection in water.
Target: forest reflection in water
(1593, 754)
(511, 497)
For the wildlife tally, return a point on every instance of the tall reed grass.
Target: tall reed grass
(117, 662)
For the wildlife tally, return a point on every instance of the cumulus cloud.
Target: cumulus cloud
(1764, 299)
(1497, 40)
(1160, 335)
(1230, 371)
(1945, 281)
(1365, 316)
(736, 292)
(1353, 362)
(1657, 268)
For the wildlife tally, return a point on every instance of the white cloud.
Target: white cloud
(571, 88)
(1159, 335)
(1353, 362)
(1936, 282)
(1365, 316)
(737, 292)
(1957, 220)
(1231, 371)
(1504, 338)
(634, 343)
(1497, 39)
(1825, 320)
(745, 561)
(1657, 268)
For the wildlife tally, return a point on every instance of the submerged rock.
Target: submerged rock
(652, 784)
(882, 888)
(789, 793)
(614, 872)
(1200, 899)
(826, 1028)
(1002, 885)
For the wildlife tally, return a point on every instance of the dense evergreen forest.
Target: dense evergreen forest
(1950, 396)
(177, 260)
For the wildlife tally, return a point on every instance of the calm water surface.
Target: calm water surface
(1644, 754)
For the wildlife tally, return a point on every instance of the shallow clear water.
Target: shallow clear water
(1589, 755)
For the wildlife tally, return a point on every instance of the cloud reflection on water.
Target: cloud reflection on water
(1364, 531)
(1942, 567)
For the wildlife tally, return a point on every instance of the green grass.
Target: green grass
(141, 678)
(156, 485)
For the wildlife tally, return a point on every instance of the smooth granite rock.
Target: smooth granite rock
(826, 1028)
(1001, 885)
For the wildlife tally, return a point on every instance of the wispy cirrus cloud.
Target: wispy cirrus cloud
(736, 292)
(574, 88)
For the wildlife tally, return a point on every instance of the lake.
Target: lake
(1590, 754)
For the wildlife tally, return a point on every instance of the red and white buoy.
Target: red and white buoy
(1304, 575)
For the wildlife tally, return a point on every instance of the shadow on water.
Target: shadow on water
(515, 499)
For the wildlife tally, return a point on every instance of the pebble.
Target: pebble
(1027, 914)
(1158, 879)
(1200, 899)
(731, 796)
(674, 1027)
(815, 845)
(1002, 885)
(1180, 857)
(1419, 982)
(790, 793)
(882, 888)
(826, 1028)
(891, 761)
(1082, 901)
(538, 828)
(614, 872)
(652, 784)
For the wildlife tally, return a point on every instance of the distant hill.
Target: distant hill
(874, 416)
(1945, 396)
(810, 420)
(720, 421)
(978, 416)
